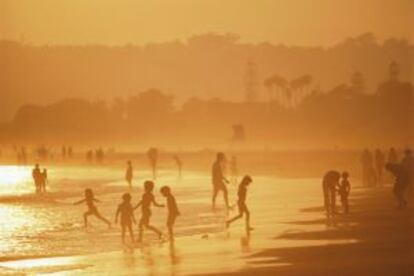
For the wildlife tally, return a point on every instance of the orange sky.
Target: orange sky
(299, 22)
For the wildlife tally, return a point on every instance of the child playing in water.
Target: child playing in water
(145, 203)
(173, 212)
(242, 203)
(92, 210)
(127, 216)
(344, 189)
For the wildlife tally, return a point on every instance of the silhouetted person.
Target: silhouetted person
(392, 156)
(92, 210)
(344, 190)
(179, 163)
(129, 174)
(44, 180)
(234, 168)
(218, 179)
(402, 179)
(37, 178)
(89, 156)
(152, 155)
(126, 211)
(70, 152)
(408, 163)
(329, 183)
(173, 212)
(241, 203)
(368, 170)
(145, 203)
(379, 166)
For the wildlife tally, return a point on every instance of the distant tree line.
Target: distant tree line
(346, 115)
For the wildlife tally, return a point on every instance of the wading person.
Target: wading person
(219, 181)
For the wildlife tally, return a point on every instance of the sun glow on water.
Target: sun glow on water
(14, 179)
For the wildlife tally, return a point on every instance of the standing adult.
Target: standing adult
(37, 177)
(392, 156)
(219, 180)
(402, 180)
(329, 183)
(379, 166)
(129, 175)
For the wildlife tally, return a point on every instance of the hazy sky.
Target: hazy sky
(299, 22)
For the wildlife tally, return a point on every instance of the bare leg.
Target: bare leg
(140, 231)
(103, 219)
(123, 234)
(152, 228)
(131, 233)
(248, 227)
(85, 218)
(226, 198)
(215, 192)
(239, 216)
(170, 232)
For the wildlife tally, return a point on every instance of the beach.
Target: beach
(45, 234)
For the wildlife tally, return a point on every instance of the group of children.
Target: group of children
(126, 211)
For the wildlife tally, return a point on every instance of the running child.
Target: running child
(145, 203)
(173, 212)
(92, 210)
(243, 210)
(126, 211)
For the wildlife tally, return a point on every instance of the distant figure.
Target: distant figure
(70, 152)
(92, 210)
(89, 156)
(126, 211)
(129, 174)
(99, 155)
(234, 168)
(179, 163)
(402, 179)
(344, 190)
(173, 212)
(152, 155)
(63, 152)
(37, 178)
(368, 170)
(218, 179)
(145, 203)
(392, 156)
(241, 203)
(408, 163)
(379, 166)
(329, 183)
(43, 181)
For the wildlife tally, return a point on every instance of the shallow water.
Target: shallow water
(49, 225)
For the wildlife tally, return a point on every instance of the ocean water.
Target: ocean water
(49, 225)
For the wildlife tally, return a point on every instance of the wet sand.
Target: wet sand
(291, 237)
(384, 234)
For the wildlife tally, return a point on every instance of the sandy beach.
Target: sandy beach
(291, 237)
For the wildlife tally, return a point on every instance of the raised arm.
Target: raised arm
(156, 204)
(96, 200)
(137, 206)
(79, 202)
